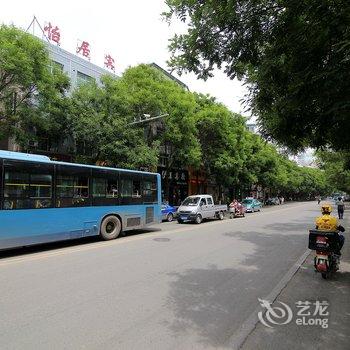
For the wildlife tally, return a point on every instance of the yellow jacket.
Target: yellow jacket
(327, 223)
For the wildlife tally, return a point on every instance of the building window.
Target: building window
(84, 148)
(55, 66)
(83, 78)
(163, 161)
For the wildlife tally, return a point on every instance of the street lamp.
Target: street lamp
(147, 118)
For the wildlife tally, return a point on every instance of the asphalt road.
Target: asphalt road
(306, 285)
(174, 287)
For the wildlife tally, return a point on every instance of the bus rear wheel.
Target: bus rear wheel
(110, 227)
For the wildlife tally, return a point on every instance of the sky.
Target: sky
(131, 31)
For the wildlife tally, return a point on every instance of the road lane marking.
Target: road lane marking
(130, 239)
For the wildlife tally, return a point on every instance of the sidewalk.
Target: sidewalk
(306, 285)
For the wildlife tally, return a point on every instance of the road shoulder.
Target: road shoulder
(308, 286)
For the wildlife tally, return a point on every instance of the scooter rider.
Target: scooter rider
(327, 222)
(234, 203)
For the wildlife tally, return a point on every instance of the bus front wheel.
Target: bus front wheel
(110, 228)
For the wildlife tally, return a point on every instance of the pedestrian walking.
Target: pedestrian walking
(318, 198)
(340, 205)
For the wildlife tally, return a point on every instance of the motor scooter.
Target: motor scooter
(325, 244)
(236, 210)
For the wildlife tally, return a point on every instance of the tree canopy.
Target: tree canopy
(31, 89)
(149, 91)
(294, 56)
(336, 169)
(198, 131)
(109, 111)
(221, 135)
(101, 130)
(97, 124)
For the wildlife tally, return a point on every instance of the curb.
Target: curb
(239, 337)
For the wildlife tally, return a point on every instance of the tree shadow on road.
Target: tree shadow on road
(212, 302)
(298, 226)
(307, 285)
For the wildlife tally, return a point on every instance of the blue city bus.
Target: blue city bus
(44, 201)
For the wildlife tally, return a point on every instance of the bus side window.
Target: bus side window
(136, 189)
(27, 185)
(72, 187)
(16, 184)
(40, 189)
(8, 204)
(16, 189)
(99, 186)
(112, 188)
(150, 189)
(105, 187)
(64, 190)
(131, 188)
(81, 187)
(126, 188)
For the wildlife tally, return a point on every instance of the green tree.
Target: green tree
(299, 182)
(294, 55)
(221, 135)
(32, 95)
(263, 162)
(149, 91)
(101, 130)
(335, 166)
(102, 120)
(314, 182)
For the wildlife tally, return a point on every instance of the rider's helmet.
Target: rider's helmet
(326, 209)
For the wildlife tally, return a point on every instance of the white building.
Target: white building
(252, 127)
(78, 69)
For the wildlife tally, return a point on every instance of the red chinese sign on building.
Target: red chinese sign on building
(53, 33)
(84, 49)
(109, 62)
